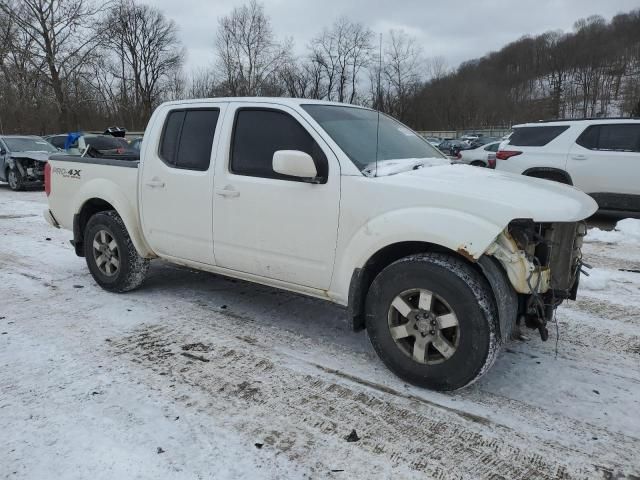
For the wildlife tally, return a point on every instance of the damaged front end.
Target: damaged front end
(30, 167)
(543, 262)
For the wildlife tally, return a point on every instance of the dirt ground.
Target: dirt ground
(198, 376)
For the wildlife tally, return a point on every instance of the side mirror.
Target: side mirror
(296, 164)
(3, 151)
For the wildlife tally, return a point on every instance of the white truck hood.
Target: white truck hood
(496, 196)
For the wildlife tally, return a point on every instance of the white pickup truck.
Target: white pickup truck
(438, 262)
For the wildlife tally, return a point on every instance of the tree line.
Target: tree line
(88, 64)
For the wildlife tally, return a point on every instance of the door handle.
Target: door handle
(579, 157)
(227, 192)
(155, 183)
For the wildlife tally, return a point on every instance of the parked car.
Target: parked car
(480, 156)
(483, 141)
(436, 261)
(136, 143)
(599, 156)
(452, 147)
(22, 160)
(57, 141)
(435, 141)
(471, 137)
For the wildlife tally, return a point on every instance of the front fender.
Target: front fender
(466, 234)
(126, 206)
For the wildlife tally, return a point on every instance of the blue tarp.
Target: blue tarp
(71, 139)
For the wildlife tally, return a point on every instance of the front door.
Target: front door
(268, 224)
(176, 188)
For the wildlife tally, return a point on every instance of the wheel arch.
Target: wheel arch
(97, 204)
(549, 173)
(362, 277)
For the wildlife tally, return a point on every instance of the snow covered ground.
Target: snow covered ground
(197, 376)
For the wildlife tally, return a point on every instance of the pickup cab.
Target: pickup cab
(440, 263)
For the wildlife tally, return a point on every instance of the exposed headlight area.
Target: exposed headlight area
(543, 262)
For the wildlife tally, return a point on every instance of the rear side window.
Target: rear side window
(187, 138)
(612, 137)
(493, 147)
(259, 133)
(535, 136)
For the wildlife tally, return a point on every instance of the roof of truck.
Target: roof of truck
(293, 102)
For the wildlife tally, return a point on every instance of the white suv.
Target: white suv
(599, 156)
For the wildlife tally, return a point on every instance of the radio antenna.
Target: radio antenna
(379, 102)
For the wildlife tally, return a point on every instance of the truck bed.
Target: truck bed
(115, 180)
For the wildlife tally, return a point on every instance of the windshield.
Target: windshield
(355, 130)
(23, 144)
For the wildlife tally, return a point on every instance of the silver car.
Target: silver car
(22, 160)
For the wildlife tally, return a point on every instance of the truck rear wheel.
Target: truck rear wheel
(432, 320)
(111, 256)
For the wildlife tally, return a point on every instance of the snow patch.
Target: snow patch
(625, 231)
(597, 280)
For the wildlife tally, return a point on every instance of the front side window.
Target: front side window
(535, 136)
(259, 133)
(614, 137)
(187, 138)
(373, 141)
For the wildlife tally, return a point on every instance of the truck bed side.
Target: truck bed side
(79, 185)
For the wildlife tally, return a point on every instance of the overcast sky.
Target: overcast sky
(455, 29)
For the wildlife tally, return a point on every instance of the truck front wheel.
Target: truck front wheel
(432, 320)
(111, 256)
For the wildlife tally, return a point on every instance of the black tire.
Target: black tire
(478, 163)
(131, 268)
(14, 179)
(468, 296)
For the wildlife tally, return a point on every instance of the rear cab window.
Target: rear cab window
(187, 138)
(536, 136)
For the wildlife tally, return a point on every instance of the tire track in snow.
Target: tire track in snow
(448, 445)
(606, 309)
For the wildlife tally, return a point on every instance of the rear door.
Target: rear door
(605, 159)
(176, 185)
(267, 224)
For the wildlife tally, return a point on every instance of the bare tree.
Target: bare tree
(248, 54)
(342, 52)
(402, 71)
(202, 84)
(61, 35)
(148, 51)
(436, 67)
